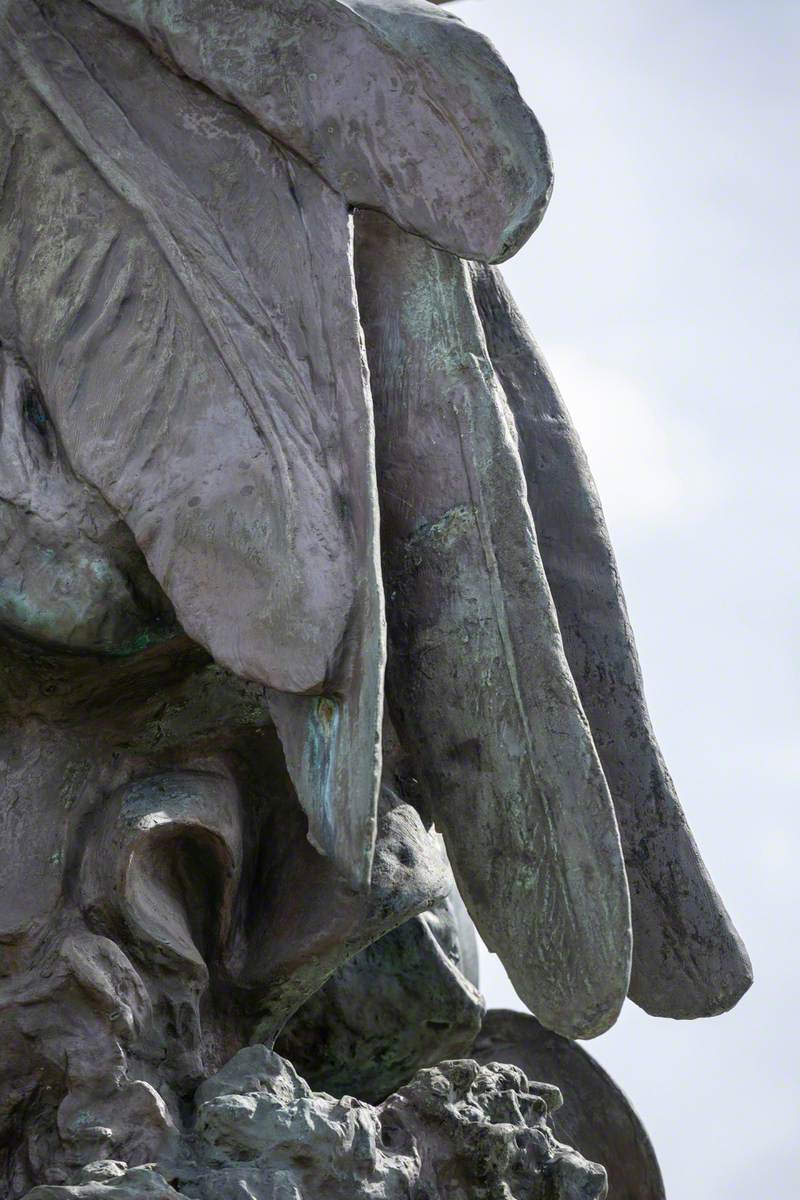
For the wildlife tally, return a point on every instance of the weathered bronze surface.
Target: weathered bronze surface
(274, 441)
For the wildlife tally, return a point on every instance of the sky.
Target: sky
(664, 288)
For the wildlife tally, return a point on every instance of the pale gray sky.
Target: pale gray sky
(664, 287)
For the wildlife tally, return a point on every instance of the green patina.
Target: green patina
(450, 524)
(19, 609)
(320, 753)
(141, 641)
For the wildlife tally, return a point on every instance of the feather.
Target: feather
(186, 301)
(477, 682)
(397, 104)
(688, 959)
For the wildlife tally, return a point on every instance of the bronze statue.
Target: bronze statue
(273, 431)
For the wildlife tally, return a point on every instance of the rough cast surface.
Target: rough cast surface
(254, 408)
(595, 1114)
(457, 1130)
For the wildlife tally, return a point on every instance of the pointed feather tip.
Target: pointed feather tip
(585, 1025)
(578, 1017)
(692, 997)
(342, 822)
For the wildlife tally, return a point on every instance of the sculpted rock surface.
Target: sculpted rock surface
(155, 928)
(457, 1132)
(595, 1114)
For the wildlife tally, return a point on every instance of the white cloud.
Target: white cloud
(652, 468)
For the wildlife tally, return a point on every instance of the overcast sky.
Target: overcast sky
(664, 288)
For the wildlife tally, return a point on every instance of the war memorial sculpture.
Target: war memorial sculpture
(313, 651)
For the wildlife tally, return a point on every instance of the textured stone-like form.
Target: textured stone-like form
(108, 1179)
(141, 946)
(457, 1132)
(595, 1114)
(688, 959)
(479, 688)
